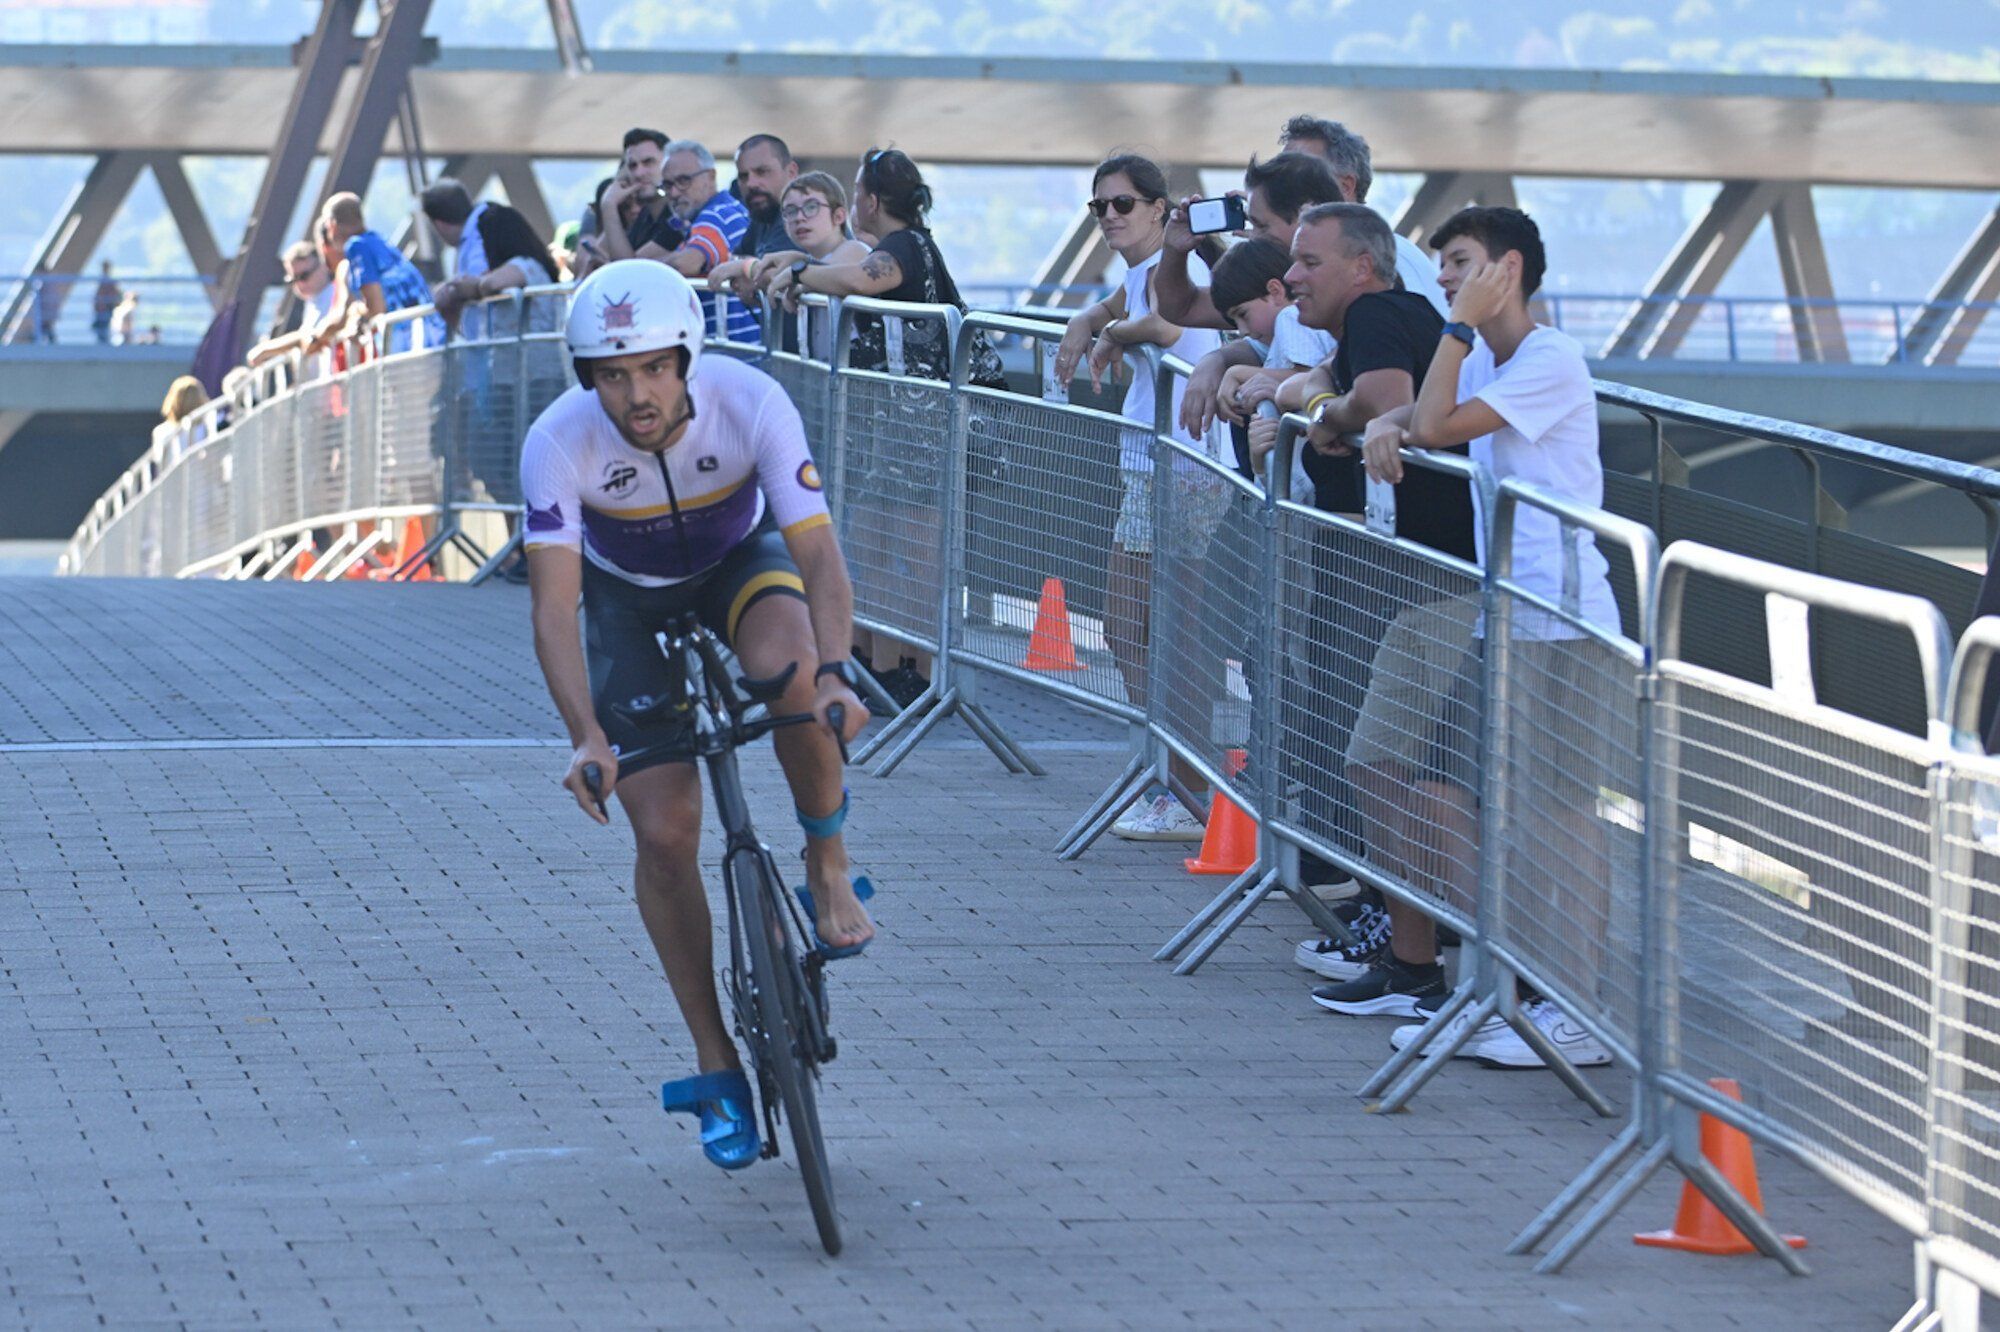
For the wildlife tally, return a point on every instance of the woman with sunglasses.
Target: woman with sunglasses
(1129, 198)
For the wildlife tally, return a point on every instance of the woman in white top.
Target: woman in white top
(1129, 196)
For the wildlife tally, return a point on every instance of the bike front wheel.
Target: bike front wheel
(787, 1054)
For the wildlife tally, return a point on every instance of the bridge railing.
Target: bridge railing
(61, 308)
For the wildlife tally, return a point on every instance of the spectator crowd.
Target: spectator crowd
(1319, 307)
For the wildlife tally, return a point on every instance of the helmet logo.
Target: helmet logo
(619, 313)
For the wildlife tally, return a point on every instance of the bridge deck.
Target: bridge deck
(367, 1034)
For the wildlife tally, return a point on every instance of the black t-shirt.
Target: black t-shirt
(925, 280)
(664, 230)
(1395, 330)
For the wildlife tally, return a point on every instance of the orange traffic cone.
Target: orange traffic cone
(407, 549)
(1698, 1226)
(1229, 846)
(302, 567)
(1049, 646)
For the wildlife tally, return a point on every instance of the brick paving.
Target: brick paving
(370, 1036)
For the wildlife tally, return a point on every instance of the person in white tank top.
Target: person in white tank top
(1130, 199)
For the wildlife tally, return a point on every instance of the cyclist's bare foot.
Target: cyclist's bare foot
(843, 921)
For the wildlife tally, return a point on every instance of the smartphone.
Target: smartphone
(1208, 216)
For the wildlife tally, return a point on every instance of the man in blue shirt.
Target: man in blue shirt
(381, 279)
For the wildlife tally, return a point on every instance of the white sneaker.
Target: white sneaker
(1164, 820)
(1505, 1049)
(1493, 1026)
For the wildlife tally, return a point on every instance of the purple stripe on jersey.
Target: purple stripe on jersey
(652, 547)
(545, 520)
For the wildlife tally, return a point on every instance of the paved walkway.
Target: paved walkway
(368, 1035)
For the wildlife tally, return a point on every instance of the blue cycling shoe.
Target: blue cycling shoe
(863, 890)
(728, 1114)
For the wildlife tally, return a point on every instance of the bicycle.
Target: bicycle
(776, 987)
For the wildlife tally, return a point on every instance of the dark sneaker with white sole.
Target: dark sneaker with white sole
(1389, 987)
(1338, 960)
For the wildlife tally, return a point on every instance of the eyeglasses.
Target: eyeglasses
(682, 182)
(298, 275)
(1124, 203)
(804, 208)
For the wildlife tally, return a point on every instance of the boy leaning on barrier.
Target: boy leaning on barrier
(1520, 394)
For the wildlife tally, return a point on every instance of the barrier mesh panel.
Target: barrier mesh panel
(1965, 1144)
(1208, 569)
(890, 515)
(1378, 706)
(1801, 945)
(1042, 497)
(406, 464)
(1569, 859)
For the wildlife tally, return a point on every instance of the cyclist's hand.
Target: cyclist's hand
(831, 691)
(597, 751)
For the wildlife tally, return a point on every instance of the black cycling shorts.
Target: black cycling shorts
(621, 618)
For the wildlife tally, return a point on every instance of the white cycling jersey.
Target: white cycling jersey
(659, 519)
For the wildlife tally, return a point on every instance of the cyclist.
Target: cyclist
(652, 494)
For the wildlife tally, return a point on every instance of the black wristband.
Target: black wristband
(843, 669)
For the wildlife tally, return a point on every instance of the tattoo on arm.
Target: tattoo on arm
(879, 266)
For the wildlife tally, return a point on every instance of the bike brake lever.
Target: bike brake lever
(836, 717)
(593, 781)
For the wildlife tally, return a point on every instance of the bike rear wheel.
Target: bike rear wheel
(787, 1056)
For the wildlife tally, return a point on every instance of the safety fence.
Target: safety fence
(1767, 905)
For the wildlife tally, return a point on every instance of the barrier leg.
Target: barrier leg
(1317, 912)
(999, 738)
(982, 726)
(946, 705)
(1439, 1050)
(1759, 1231)
(1135, 767)
(1227, 925)
(1539, 1042)
(1399, 1063)
(492, 563)
(908, 717)
(871, 691)
(1109, 812)
(1203, 918)
(1577, 1190)
(1594, 1220)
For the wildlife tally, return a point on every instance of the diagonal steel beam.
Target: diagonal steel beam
(525, 193)
(322, 63)
(72, 239)
(1946, 324)
(189, 220)
(569, 38)
(1808, 281)
(385, 72)
(1662, 317)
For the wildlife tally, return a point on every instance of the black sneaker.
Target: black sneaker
(904, 685)
(1340, 961)
(1390, 987)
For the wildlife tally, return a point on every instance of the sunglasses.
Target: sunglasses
(804, 208)
(682, 182)
(1124, 203)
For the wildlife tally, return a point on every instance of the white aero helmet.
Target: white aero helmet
(633, 305)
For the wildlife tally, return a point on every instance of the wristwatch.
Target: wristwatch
(1461, 331)
(849, 674)
(799, 267)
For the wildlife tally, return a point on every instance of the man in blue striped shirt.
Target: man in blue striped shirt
(717, 224)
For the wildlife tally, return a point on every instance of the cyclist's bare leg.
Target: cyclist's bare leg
(772, 634)
(664, 804)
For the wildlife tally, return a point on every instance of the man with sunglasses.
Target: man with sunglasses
(308, 279)
(716, 223)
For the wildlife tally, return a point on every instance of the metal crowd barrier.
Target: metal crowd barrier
(1718, 868)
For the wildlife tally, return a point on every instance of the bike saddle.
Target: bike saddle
(770, 689)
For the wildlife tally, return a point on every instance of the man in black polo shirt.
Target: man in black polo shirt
(639, 178)
(1343, 277)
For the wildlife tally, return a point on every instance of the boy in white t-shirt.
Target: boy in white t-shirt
(1520, 394)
